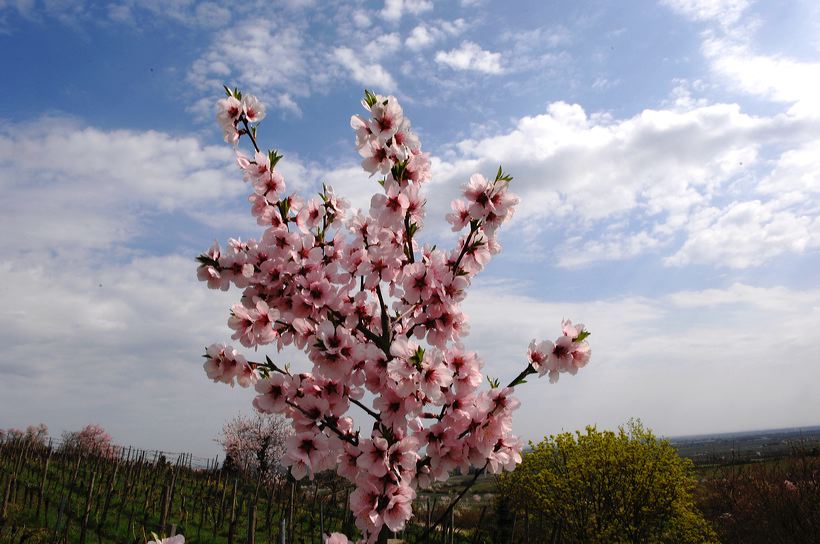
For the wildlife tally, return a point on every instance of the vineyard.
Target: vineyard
(54, 494)
(50, 494)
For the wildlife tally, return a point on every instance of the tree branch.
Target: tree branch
(457, 265)
(361, 405)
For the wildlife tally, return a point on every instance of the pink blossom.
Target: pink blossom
(228, 111)
(460, 215)
(376, 309)
(178, 539)
(373, 458)
(273, 394)
(305, 453)
(387, 118)
(91, 440)
(399, 508)
(252, 108)
(335, 538)
(223, 363)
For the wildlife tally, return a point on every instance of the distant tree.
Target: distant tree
(12, 435)
(602, 486)
(91, 440)
(36, 435)
(254, 445)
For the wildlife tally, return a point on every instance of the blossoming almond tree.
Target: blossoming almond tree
(255, 445)
(378, 315)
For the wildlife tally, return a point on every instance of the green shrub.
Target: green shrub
(603, 486)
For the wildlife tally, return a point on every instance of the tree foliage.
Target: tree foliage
(34, 435)
(604, 486)
(254, 445)
(90, 440)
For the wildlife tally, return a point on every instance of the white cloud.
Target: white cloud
(797, 172)
(746, 363)
(88, 312)
(361, 19)
(272, 62)
(69, 186)
(394, 9)
(618, 188)
(286, 102)
(746, 234)
(425, 35)
(118, 345)
(470, 56)
(613, 246)
(419, 38)
(372, 75)
(725, 12)
(773, 77)
(777, 299)
(384, 45)
(729, 45)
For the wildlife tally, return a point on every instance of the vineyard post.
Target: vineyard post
(201, 502)
(251, 521)
(111, 484)
(43, 481)
(6, 497)
(60, 509)
(172, 491)
(222, 500)
(282, 530)
(232, 519)
(268, 511)
(290, 509)
(164, 508)
(88, 502)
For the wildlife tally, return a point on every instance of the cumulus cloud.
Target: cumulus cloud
(394, 9)
(89, 312)
(725, 12)
(371, 75)
(618, 188)
(425, 35)
(796, 174)
(777, 78)
(470, 56)
(746, 234)
(115, 344)
(274, 62)
(71, 186)
(743, 296)
(729, 45)
(666, 352)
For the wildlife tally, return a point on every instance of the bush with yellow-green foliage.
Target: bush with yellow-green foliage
(604, 486)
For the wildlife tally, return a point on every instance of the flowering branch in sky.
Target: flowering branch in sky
(379, 316)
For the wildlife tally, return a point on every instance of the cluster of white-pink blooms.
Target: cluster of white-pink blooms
(376, 312)
(92, 439)
(255, 445)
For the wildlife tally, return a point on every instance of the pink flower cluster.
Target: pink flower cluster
(92, 439)
(255, 445)
(567, 354)
(236, 109)
(376, 312)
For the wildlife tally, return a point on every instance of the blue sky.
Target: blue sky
(666, 154)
